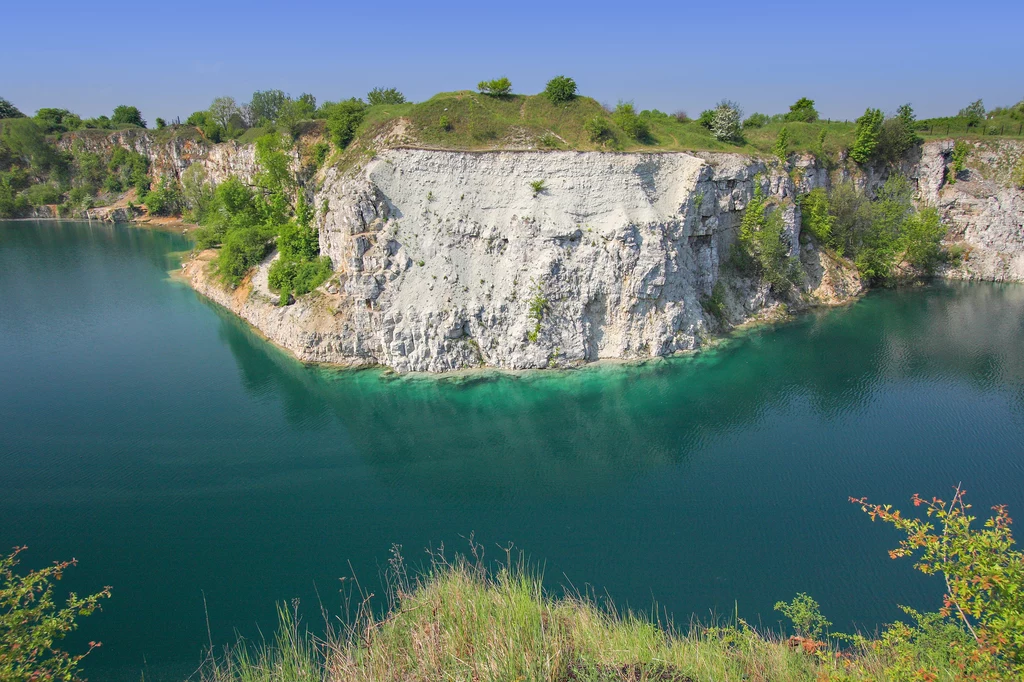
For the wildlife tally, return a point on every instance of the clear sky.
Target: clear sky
(172, 58)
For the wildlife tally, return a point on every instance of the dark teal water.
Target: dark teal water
(157, 439)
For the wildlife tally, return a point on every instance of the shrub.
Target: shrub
(897, 136)
(127, 169)
(11, 203)
(973, 113)
(165, 199)
(868, 127)
(126, 115)
(761, 248)
(725, 123)
(444, 123)
(1017, 175)
(815, 216)
(42, 194)
(802, 111)
(384, 96)
(560, 89)
(598, 129)
(984, 579)
(57, 120)
(756, 120)
(537, 186)
(319, 152)
(921, 240)
(343, 119)
(243, 248)
(681, 116)
(714, 304)
(290, 276)
(706, 118)
(499, 87)
(197, 192)
(781, 147)
(626, 118)
(32, 624)
(160, 123)
(805, 615)
(958, 159)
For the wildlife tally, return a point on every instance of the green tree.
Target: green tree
(802, 111)
(343, 119)
(27, 145)
(384, 96)
(761, 246)
(222, 109)
(265, 106)
(32, 623)
(626, 118)
(815, 216)
(974, 113)
(203, 120)
(866, 136)
(706, 118)
(8, 110)
(499, 87)
(755, 120)
(160, 123)
(126, 115)
(921, 240)
(165, 198)
(197, 192)
(725, 123)
(560, 89)
(897, 136)
(58, 120)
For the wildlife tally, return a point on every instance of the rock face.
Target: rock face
(983, 212)
(449, 260)
(517, 259)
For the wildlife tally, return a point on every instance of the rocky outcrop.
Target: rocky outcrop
(449, 260)
(983, 211)
(518, 259)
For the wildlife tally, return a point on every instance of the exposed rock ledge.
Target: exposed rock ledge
(446, 260)
(449, 260)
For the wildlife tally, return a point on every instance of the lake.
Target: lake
(185, 461)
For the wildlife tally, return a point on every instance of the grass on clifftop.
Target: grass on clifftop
(466, 120)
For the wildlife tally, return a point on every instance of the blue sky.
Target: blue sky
(172, 58)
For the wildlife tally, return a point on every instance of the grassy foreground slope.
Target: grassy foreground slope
(461, 623)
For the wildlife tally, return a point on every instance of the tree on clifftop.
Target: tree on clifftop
(560, 89)
(124, 114)
(385, 96)
(8, 110)
(868, 128)
(802, 111)
(497, 87)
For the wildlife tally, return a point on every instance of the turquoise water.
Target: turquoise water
(157, 439)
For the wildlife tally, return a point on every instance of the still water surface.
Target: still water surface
(157, 439)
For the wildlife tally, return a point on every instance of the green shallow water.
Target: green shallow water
(157, 439)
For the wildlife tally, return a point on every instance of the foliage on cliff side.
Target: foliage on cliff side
(887, 238)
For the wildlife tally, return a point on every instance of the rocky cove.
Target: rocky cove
(448, 260)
